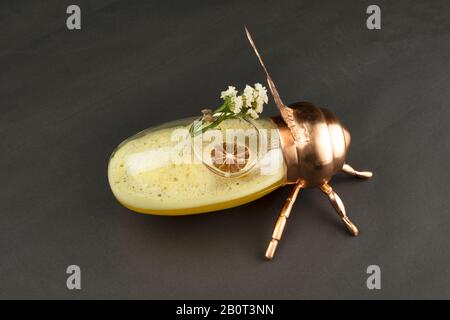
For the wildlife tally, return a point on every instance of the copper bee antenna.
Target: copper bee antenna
(286, 113)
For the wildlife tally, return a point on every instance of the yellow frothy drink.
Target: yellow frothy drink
(158, 171)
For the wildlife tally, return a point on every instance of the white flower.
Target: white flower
(261, 92)
(236, 105)
(230, 92)
(252, 113)
(259, 105)
(252, 99)
(248, 95)
(256, 97)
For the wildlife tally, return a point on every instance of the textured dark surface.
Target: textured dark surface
(67, 98)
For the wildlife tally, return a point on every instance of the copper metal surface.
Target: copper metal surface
(282, 220)
(360, 174)
(339, 206)
(319, 152)
(314, 145)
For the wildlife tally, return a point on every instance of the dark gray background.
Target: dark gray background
(67, 98)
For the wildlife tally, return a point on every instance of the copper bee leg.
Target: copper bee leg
(360, 174)
(282, 220)
(339, 207)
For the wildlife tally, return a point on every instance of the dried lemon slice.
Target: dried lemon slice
(231, 149)
(230, 157)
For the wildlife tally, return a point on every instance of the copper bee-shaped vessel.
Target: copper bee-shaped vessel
(313, 145)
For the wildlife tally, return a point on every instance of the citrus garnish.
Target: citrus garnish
(230, 157)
